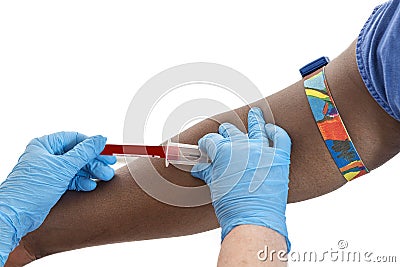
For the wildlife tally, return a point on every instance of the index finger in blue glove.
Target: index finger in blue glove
(208, 143)
(64, 141)
(229, 130)
(85, 151)
(71, 139)
(256, 124)
(61, 142)
(279, 136)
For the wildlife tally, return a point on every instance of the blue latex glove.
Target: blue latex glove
(50, 166)
(248, 179)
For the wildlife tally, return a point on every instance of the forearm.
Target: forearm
(251, 245)
(120, 211)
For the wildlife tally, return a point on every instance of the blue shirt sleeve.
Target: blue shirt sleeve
(378, 56)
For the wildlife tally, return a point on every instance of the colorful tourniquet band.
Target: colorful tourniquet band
(331, 126)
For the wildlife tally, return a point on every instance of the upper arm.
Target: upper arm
(375, 134)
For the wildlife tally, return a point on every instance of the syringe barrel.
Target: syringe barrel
(184, 154)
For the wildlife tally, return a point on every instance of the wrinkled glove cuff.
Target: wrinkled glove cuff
(8, 238)
(272, 221)
(256, 221)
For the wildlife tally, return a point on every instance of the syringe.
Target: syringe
(174, 153)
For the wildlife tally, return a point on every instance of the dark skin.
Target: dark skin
(123, 212)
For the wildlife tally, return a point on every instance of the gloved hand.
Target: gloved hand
(50, 166)
(248, 179)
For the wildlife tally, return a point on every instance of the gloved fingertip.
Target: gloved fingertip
(82, 183)
(270, 129)
(99, 140)
(223, 127)
(279, 132)
(113, 160)
(203, 141)
(107, 174)
(86, 185)
(197, 170)
(110, 160)
(91, 186)
(209, 143)
(279, 136)
(228, 130)
(196, 174)
(256, 124)
(256, 111)
(255, 116)
(99, 143)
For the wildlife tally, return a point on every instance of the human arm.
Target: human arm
(375, 134)
(253, 245)
(130, 214)
(50, 166)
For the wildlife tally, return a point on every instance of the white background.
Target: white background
(75, 65)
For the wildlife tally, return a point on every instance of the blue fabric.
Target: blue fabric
(378, 56)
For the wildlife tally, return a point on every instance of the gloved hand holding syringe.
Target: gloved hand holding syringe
(174, 153)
